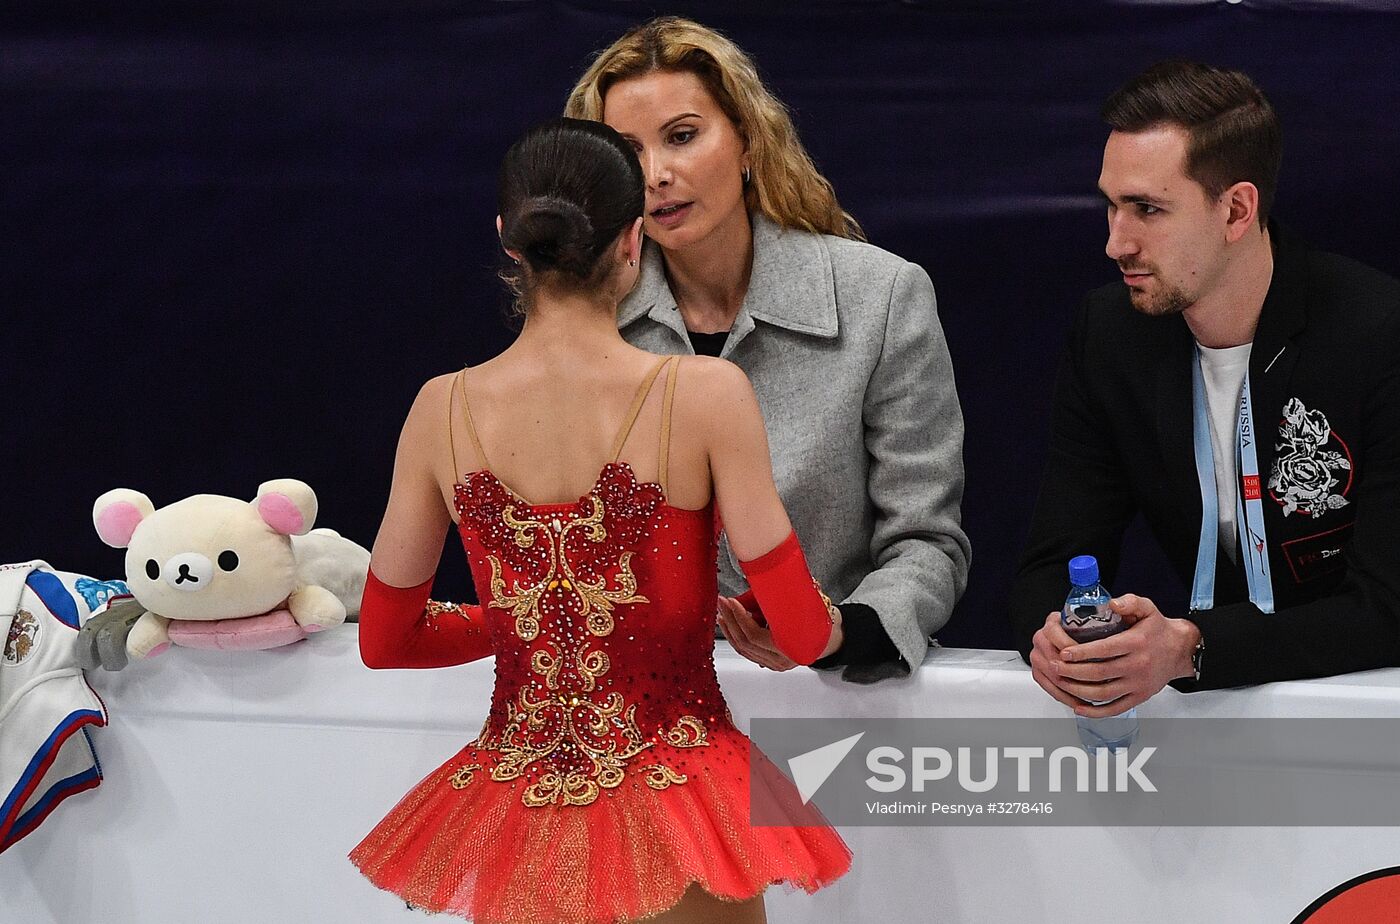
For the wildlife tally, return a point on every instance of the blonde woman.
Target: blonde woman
(751, 258)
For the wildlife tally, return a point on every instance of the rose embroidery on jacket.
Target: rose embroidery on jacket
(1303, 476)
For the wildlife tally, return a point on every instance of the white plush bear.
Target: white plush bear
(218, 572)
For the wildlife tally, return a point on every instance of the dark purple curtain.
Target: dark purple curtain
(237, 238)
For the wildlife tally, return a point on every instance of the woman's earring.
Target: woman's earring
(631, 262)
(747, 176)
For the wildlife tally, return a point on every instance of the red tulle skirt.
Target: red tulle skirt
(463, 843)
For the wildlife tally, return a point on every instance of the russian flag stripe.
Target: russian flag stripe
(78, 782)
(43, 758)
(56, 597)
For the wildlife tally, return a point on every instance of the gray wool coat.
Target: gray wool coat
(842, 343)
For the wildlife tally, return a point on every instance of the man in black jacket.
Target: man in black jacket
(1243, 394)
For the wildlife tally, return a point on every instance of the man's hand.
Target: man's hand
(750, 639)
(1121, 671)
(1046, 661)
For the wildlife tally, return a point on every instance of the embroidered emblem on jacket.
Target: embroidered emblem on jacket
(1304, 475)
(97, 593)
(23, 639)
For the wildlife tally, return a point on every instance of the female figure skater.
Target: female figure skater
(608, 783)
(750, 257)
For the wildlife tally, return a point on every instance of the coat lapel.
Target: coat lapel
(1271, 363)
(1276, 351)
(1175, 423)
(651, 297)
(792, 286)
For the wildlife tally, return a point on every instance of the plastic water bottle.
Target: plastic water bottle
(1087, 616)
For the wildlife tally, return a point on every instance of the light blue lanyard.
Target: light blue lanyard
(1249, 503)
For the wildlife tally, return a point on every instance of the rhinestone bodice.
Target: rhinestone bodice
(601, 613)
(608, 779)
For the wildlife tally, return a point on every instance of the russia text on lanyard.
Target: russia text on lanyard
(1249, 503)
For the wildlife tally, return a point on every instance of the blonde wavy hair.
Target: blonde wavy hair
(785, 186)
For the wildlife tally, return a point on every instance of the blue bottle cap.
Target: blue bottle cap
(1084, 571)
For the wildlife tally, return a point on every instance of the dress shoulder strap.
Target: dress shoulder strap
(632, 412)
(664, 452)
(461, 385)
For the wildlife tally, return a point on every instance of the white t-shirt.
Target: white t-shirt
(1224, 371)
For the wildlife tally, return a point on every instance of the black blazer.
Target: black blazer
(1326, 355)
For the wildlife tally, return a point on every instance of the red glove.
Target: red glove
(401, 627)
(797, 612)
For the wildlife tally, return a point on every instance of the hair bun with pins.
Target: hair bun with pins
(568, 189)
(551, 233)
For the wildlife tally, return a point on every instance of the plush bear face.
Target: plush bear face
(209, 557)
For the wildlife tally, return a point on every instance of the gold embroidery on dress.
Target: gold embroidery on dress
(597, 599)
(688, 733)
(660, 776)
(463, 776)
(587, 743)
(603, 734)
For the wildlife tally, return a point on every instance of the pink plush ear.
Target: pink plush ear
(278, 511)
(287, 505)
(116, 524)
(117, 513)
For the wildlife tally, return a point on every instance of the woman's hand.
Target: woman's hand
(750, 639)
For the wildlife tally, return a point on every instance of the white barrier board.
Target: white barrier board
(236, 782)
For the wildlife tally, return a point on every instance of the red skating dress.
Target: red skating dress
(608, 776)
